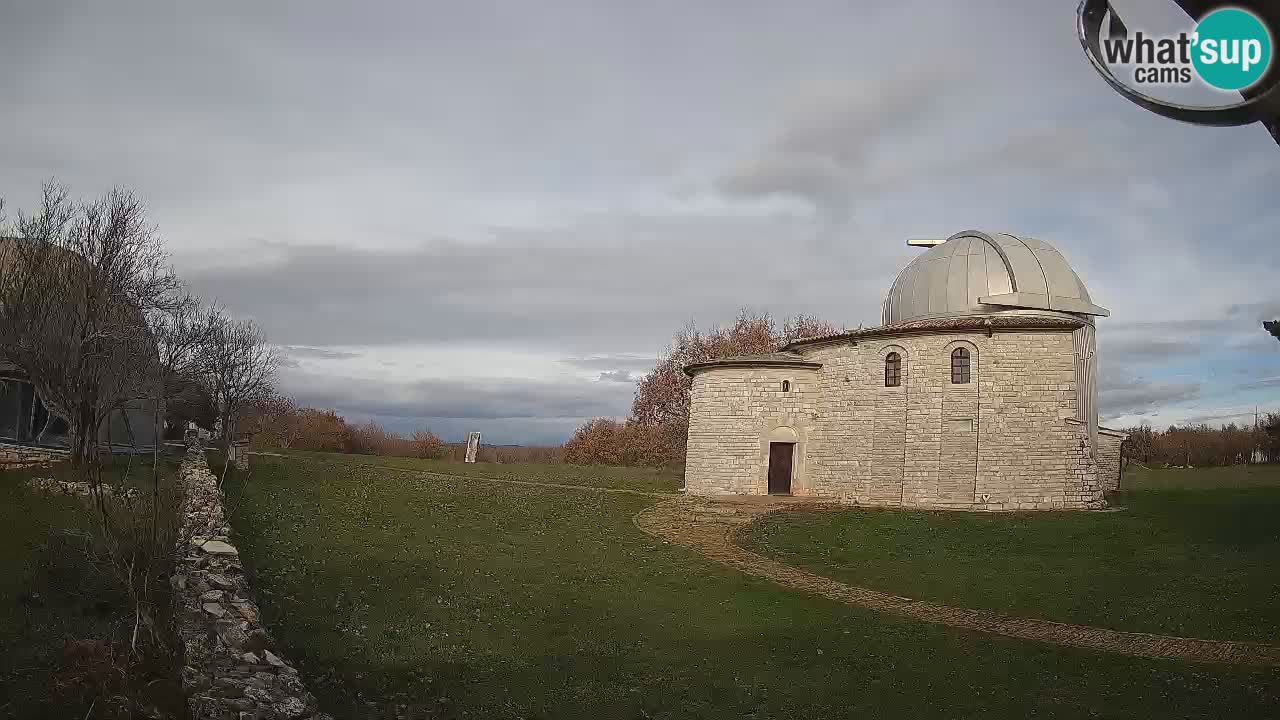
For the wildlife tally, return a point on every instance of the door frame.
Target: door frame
(791, 469)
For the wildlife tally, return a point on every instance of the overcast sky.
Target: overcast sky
(492, 216)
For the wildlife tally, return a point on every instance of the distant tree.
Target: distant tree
(1273, 327)
(273, 422)
(182, 329)
(322, 430)
(599, 441)
(240, 371)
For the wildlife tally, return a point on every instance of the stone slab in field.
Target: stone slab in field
(218, 547)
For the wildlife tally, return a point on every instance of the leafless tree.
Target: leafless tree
(92, 313)
(241, 372)
(77, 281)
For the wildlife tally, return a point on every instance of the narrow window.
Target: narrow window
(786, 386)
(959, 366)
(892, 370)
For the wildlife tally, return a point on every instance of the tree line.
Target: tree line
(277, 423)
(1202, 445)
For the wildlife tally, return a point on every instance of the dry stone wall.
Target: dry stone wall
(233, 669)
(19, 456)
(1003, 441)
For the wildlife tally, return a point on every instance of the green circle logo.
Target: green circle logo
(1232, 49)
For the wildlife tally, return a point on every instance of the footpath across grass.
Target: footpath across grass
(438, 597)
(1196, 560)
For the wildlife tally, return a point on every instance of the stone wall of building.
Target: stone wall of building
(1109, 442)
(1000, 442)
(734, 413)
(233, 670)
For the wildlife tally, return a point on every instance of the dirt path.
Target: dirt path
(708, 527)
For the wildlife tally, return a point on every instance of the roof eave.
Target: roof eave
(695, 368)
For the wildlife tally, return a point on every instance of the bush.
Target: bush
(603, 441)
(370, 438)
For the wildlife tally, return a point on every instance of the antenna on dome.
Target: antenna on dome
(925, 242)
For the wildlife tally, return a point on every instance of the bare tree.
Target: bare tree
(241, 372)
(77, 281)
(183, 331)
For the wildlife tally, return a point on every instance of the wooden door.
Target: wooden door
(780, 460)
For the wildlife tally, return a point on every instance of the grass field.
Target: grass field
(445, 597)
(53, 591)
(632, 478)
(1200, 560)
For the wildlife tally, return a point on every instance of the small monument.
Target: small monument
(473, 444)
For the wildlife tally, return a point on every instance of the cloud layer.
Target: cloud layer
(494, 220)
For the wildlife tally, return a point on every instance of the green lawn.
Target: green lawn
(632, 478)
(53, 592)
(1200, 559)
(1138, 477)
(467, 599)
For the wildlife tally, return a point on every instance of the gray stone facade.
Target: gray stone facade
(1007, 440)
(1022, 434)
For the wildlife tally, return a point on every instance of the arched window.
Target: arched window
(892, 370)
(960, 366)
(786, 386)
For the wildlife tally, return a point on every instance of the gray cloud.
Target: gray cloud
(631, 363)
(1220, 418)
(506, 411)
(601, 285)
(1272, 381)
(471, 399)
(622, 376)
(302, 351)
(1120, 394)
(824, 154)
(1124, 349)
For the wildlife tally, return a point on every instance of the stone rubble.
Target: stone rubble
(52, 486)
(233, 670)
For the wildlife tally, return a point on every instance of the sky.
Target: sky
(493, 216)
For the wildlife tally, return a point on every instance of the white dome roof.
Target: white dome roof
(978, 273)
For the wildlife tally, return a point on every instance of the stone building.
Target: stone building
(978, 392)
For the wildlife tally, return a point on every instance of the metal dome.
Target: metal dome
(978, 273)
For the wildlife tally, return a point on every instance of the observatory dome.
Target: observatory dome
(979, 273)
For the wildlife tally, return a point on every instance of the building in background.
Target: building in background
(979, 392)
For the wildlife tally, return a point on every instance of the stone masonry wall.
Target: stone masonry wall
(733, 412)
(1109, 459)
(233, 669)
(20, 456)
(1000, 442)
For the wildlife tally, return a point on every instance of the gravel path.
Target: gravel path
(708, 527)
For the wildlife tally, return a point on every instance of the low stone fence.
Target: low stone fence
(20, 456)
(233, 670)
(53, 486)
